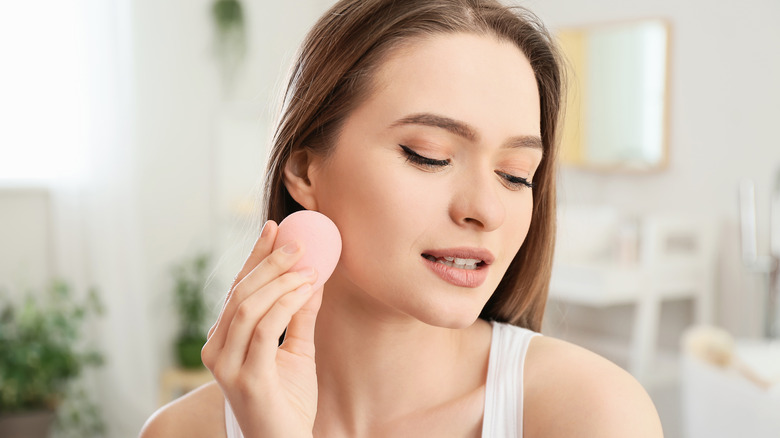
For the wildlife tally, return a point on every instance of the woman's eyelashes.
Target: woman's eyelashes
(515, 182)
(418, 159)
(512, 182)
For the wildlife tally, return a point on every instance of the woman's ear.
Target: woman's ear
(297, 179)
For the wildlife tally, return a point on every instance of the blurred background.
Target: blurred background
(133, 140)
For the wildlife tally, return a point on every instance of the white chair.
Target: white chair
(676, 260)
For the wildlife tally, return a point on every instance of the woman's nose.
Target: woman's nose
(476, 202)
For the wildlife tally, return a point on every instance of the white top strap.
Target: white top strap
(503, 415)
(231, 424)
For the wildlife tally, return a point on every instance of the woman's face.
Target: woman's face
(428, 179)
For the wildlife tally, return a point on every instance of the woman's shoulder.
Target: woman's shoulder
(570, 391)
(198, 413)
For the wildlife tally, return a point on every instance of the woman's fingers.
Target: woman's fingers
(261, 354)
(270, 268)
(273, 266)
(255, 309)
(299, 338)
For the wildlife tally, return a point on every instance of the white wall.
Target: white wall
(723, 126)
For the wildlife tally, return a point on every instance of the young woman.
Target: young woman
(426, 130)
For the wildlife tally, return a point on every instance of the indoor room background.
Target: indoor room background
(133, 136)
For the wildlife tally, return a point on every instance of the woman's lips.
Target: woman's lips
(459, 276)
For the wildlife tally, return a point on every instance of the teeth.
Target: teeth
(466, 261)
(456, 262)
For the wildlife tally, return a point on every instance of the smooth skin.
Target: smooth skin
(400, 351)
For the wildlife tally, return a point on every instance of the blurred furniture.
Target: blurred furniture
(176, 382)
(731, 388)
(675, 259)
(767, 267)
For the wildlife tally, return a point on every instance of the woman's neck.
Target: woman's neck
(373, 362)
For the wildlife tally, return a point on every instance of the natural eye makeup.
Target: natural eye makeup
(512, 182)
(515, 182)
(429, 163)
(513, 166)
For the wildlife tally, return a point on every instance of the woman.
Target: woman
(426, 131)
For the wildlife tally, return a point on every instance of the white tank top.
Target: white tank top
(503, 414)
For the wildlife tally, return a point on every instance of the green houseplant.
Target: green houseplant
(42, 353)
(189, 297)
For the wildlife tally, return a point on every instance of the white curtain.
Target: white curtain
(69, 114)
(114, 251)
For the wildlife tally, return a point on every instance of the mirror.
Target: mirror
(616, 113)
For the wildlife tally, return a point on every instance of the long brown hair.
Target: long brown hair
(333, 74)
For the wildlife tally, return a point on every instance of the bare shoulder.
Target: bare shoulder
(195, 414)
(570, 391)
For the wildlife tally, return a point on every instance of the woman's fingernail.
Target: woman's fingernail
(308, 272)
(290, 248)
(262, 230)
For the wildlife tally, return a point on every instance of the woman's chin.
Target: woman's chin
(451, 319)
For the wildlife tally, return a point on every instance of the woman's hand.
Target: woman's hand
(272, 389)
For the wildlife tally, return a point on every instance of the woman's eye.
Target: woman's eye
(515, 182)
(419, 160)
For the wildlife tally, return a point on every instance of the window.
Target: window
(44, 103)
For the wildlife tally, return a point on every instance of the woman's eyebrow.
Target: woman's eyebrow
(427, 119)
(464, 130)
(525, 141)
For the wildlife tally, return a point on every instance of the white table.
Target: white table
(646, 286)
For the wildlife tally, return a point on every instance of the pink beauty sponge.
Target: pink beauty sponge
(320, 239)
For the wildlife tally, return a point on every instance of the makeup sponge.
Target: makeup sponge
(319, 237)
